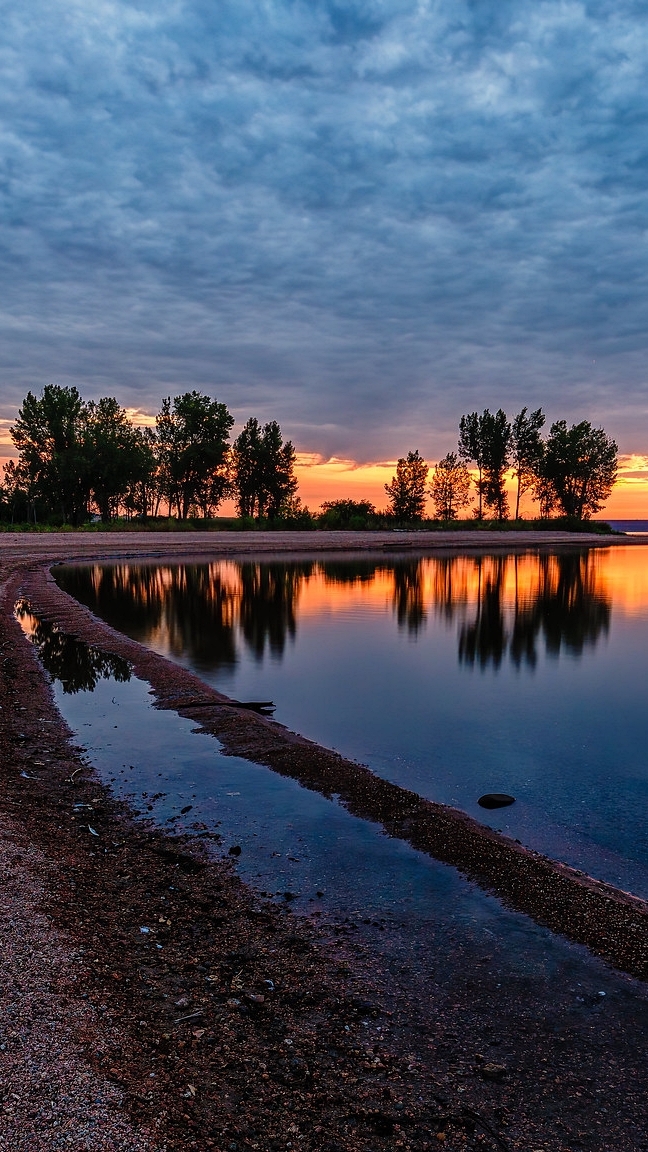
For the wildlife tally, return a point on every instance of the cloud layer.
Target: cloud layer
(361, 218)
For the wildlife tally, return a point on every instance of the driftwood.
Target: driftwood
(252, 705)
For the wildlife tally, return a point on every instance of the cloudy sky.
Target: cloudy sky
(361, 218)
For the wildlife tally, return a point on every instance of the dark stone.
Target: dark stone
(235, 851)
(495, 800)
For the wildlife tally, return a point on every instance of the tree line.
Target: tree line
(76, 457)
(571, 473)
(80, 458)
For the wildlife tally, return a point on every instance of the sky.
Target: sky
(361, 218)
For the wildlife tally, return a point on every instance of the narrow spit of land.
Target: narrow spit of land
(243, 1030)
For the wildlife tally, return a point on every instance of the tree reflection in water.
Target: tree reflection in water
(78, 666)
(503, 604)
(570, 610)
(196, 609)
(408, 595)
(567, 608)
(188, 607)
(268, 602)
(350, 571)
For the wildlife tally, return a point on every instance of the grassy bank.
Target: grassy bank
(312, 524)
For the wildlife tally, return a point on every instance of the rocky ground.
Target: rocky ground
(149, 1000)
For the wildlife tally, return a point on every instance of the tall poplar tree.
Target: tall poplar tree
(485, 440)
(471, 451)
(527, 449)
(496, 433)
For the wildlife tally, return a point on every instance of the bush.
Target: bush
(349, 515)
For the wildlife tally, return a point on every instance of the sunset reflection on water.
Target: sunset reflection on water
(503, 606)
(453, 675)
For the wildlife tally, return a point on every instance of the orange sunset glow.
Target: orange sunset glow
(415, 589)
(335, 478)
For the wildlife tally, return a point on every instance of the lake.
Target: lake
(451, 675)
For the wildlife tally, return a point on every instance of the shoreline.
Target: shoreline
(612, 923)
(326, 1090)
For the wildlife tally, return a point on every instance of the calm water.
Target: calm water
(451, 675)
(295, 845)
(429, 928)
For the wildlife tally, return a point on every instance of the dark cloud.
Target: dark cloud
(362, 218)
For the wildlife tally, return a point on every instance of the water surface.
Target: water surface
(454, 676)
(294, 845)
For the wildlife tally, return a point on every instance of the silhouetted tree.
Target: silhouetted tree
(193, 433)
(115, 453)
(406, 491)
(471, 451)
(544, 493)
(17, 493)
(496, 432)
(579, 468)
(450, 487)
(263, 471)
(143, 493)
(49, 437)
(527, 450)
(485, 440)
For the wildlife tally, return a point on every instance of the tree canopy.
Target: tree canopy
(118, 456)
(450, 487)
(263, 471)
(578, 468)
(346, 513)
(486, 440)
(527, 450)
(406, 491)
(572, 472)
(193, 433)
(53, 465)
